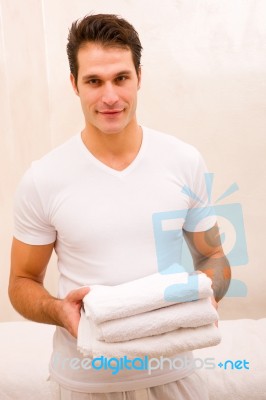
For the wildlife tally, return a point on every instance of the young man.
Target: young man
(93, 199)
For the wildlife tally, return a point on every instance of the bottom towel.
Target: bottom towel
(166, 344)
(183, 315)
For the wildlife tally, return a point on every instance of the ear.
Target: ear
(139, 77)
(73, 82)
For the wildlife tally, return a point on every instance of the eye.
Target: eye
(121, 78)
(94, 81)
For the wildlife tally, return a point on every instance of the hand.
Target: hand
(214, 302)
(70, 310)
(215, 305)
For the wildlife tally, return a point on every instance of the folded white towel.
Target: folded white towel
(166, 344)
(104, 303)
(184, 315)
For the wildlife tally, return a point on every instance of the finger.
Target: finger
(214, 302)
(78, 294)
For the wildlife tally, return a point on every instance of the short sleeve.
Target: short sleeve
(201, 213)
(31, 225)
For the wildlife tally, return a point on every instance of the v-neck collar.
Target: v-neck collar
(108, 169)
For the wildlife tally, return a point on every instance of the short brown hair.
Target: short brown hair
(105, 29)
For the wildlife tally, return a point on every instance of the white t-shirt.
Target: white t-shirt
(105, 224)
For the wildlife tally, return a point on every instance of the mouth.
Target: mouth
(110, 113)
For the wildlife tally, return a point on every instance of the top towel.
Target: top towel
(104, 303)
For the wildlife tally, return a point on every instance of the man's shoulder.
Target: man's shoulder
(56, 166)
(60, 151)
(60, 156)
(170, 142)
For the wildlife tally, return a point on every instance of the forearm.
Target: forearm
(33, 301)
(208, 257)
(218, 270)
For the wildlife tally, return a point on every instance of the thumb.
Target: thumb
(214, 302)
(78, 294)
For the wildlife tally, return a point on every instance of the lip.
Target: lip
(110, 112)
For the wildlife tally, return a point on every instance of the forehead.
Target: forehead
(96, 59)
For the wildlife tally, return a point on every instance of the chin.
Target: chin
(111, 130)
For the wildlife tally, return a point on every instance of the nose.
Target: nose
(110, 96)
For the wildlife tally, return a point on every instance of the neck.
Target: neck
(116, 150)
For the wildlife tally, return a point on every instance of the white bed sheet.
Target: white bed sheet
(242, 339)
(25, 349)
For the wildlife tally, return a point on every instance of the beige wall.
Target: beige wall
(204, 80)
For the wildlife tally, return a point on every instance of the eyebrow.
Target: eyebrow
(95, 76)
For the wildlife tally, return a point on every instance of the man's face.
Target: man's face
(107, 86)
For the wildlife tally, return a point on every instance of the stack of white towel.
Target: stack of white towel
(158, 315)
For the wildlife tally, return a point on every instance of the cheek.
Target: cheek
(130, 95)
(87, 100)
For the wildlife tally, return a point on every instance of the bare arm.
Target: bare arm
(28, 295)
(208, 257)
